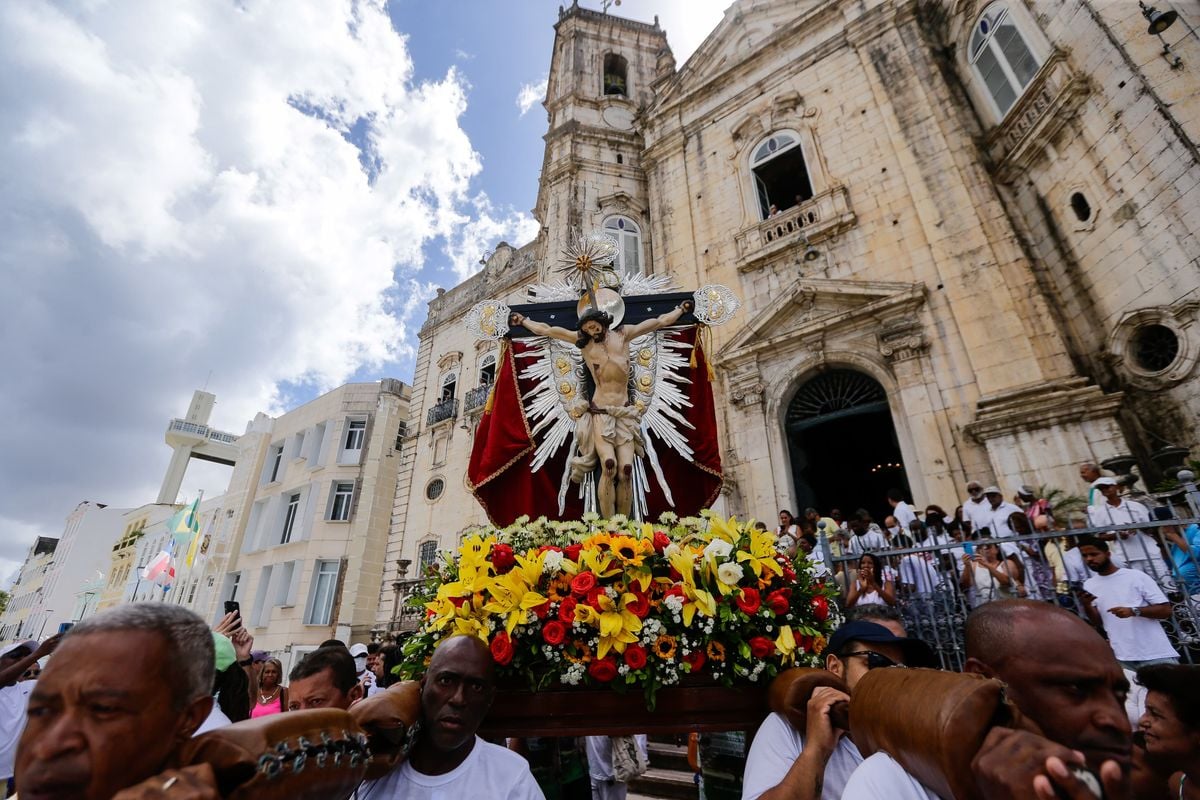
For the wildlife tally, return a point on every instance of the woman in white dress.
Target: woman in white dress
(992, 577)
(875, 583)
(787, 534)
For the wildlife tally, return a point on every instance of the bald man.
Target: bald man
(1062, 676)
(449, 760)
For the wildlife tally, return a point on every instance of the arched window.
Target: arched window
(426, 555)
(487, 370)
(629, 244)
(780, 175)
(1001, 57)
(449, 385)
(616, 68)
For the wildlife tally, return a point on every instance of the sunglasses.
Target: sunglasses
(874, 660)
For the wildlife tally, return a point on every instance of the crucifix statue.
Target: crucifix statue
(610, 371)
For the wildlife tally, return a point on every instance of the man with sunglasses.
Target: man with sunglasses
(1063, 678)
(816, 763)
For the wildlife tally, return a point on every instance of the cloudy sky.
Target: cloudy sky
(258, 196)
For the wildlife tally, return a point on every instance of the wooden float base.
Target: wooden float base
(605, 712)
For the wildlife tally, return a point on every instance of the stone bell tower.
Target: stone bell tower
(602, 75)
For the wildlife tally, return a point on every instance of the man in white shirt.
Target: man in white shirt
(1061, 675)
(1129, 605)
(974, 506)
(785, 763)
(449, 761)
(1137, 549)
(14, 696)
(865, 538)
(901, 510)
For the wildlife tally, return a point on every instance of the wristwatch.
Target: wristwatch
(1137, 612)
(246, 661)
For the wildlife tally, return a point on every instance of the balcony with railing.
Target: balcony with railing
(201, 431)
(477, 397)
(442, 411)
(825, 215)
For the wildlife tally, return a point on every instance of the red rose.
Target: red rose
(583, 583)
(566, 610)
(674, 591)
(695, 660)
(502, 649)
(635, 656)
(780, 601)
(593, 596)
(676, 575)
(761, 647)
(546, 547)
(789, 574)
(554, 632)
(572, 551)
(503, 558)
(603, 669)
(749, 601)
(541, 611)
(661, 541)
(820, 607)
(639, 607)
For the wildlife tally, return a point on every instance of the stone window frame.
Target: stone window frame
(441, 492)
(639, 233)
(1031, 34)
(1181, 321)
(747, 137)
(1093, 200)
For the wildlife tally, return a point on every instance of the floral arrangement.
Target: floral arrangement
(626, 604)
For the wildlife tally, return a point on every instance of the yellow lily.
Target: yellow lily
(761, 553)
(618, 627)
(695, 598)
(786, 643)
(513, 594)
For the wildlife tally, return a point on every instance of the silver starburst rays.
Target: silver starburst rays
(587, 260)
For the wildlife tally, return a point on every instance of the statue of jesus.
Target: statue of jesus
(608, 427)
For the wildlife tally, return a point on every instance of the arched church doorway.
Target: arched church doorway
(842, 444)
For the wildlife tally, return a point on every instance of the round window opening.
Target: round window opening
(434, 489)
(1155, 347)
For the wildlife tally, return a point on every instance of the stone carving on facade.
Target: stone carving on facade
(450, 360)
(902, 339)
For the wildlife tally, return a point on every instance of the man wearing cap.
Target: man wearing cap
(366, 677)
(974, 506)
(787, 763)
(1135, 549)
(14, 695)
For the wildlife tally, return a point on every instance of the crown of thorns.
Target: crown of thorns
(595, 315)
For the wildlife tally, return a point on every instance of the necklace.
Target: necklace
(266, 698)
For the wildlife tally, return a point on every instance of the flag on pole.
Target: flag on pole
(184, 526)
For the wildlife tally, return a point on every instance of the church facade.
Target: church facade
(964, 234)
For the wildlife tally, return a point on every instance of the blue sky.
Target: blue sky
(186, 206)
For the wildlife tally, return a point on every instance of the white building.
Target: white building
(299, 537)
(25, 615)
(86, 542)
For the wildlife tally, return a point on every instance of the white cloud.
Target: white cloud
(243, 187)
(531, 94)
(484, 229)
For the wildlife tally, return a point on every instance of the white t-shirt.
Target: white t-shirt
(1135, 638)
(873, 597)
(973, 512)
(489, 771)
(13, 702)
(1136, 546)
(871, 540)
(776, 747)
(880, 777)
(904, 514)
(215, 719)
(919, 572)
(996, 519)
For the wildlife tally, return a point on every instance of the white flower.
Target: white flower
(673, 602)
(729, 574)
(553, 563)
(718, 549)
(671, 550)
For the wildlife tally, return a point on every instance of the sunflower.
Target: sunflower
(630, 551)
(664, 647)
(716, 651)
(578, 653)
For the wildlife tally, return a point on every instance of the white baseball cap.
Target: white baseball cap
(357, 650)
(30, 644)
(1104, 480)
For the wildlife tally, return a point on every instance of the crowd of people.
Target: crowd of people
(114, 707)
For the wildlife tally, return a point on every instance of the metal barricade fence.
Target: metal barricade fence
(933, 602)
